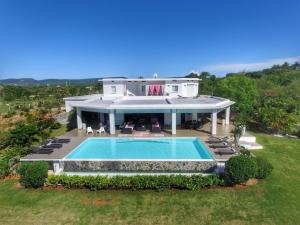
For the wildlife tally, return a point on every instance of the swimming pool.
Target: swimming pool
(147, 149)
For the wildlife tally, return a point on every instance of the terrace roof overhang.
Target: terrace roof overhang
(155, 106)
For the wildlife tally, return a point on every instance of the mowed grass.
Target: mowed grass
(275, 200)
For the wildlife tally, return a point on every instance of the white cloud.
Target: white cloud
(222, 69)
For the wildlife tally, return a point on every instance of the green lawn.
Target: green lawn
(273, 201)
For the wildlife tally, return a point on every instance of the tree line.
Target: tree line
(268, 99)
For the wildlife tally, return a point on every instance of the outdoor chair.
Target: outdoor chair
(101, 130)
(89, 130)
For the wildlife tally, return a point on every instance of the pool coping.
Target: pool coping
(139, 160)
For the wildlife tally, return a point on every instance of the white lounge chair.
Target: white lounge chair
(89, 130)
(101, 130)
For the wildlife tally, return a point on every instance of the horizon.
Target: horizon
(99, 77)
(67, 40)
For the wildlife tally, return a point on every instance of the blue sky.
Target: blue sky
(80, 39)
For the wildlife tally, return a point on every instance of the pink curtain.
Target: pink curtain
(151, 89)
(157, 87)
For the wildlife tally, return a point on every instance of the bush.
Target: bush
(33, 174)
(4, 168)
(264, 168)
(239, 169)
(55, 126)
(245, 151)
(158, 182)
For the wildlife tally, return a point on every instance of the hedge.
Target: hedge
(33, 174)
(239, 169)
(158, 182)
(264, 168)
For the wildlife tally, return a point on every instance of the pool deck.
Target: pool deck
(78, 136)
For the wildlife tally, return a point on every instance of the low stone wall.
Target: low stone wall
(140, 166)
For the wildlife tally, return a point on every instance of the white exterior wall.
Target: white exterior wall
(135, 87)
(182, 88)
(68, 106)
(120, 88)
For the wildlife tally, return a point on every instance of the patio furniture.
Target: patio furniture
(41, 150)
(52, 145)
(128, 129)
(141, 127)
(192, 124)
(89, 130)
(225, 151)
(216, 139)
(223, 144)
(101, 130)
(60, 140)
(122, 126)
(156, 128)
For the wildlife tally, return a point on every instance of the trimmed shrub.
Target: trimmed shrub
(239, 169)
(264, 168)
(158, 182)
(4, 168)
(33, 175)
(245, 151)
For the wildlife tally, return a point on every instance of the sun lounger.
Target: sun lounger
(216, 139)
(219, 145)
(225, 151)
(60, 140)
(222, 144)
(52, 145)
(41, 150)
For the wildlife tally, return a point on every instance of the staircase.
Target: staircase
(249, 142)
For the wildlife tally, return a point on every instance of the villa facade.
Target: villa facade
(171, 101)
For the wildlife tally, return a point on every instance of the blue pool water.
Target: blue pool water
(141, 149)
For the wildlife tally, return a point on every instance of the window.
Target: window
(113, 89)
(174, 88)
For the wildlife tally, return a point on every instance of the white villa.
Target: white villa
(171, 101)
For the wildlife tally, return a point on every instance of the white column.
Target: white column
(79, 118)
(112, 126)
(214, 123)
(173, 122)
(227, 115)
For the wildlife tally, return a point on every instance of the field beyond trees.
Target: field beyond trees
(275, 200)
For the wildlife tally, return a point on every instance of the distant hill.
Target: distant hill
(51, 82)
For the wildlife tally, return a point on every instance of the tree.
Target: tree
(242, 90)
(273, 113)
(22, 135)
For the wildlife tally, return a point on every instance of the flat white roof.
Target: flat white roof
(148, 79)
(155, 102)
